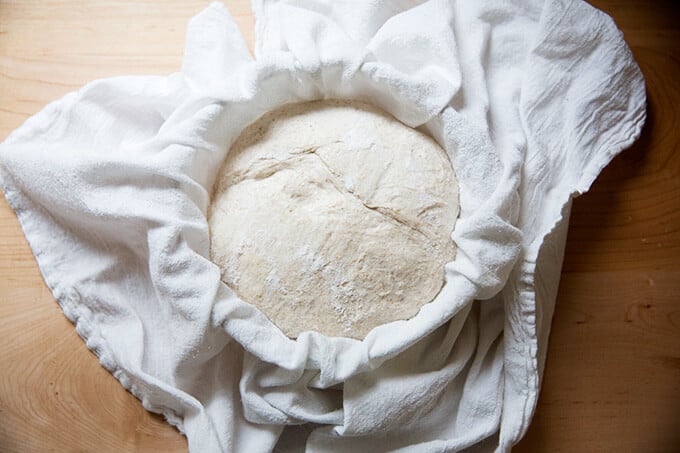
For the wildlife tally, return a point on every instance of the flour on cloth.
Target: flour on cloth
(331, 216)
(112, 186)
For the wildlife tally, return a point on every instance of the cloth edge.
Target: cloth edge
(528, 265)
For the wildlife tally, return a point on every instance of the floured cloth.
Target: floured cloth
(111, 185)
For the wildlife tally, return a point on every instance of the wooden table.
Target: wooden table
(612, 382)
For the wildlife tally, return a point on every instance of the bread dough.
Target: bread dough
(333, 216)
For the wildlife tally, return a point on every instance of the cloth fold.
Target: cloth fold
(111, 185)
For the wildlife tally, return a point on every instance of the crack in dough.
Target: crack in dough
(333, 216)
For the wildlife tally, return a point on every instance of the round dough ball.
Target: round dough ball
(334, 217)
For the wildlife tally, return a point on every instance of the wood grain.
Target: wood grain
(612, 381)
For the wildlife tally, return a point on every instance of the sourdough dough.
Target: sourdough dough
(333, 216)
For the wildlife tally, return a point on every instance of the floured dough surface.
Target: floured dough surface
(333, 216)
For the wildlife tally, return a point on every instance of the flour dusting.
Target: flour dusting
(332, 216)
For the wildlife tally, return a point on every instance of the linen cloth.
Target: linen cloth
(112, 183)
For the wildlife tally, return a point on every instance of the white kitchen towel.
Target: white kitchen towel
(111, 185)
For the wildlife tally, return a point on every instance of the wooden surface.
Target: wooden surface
(612, 382)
